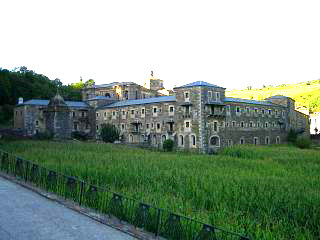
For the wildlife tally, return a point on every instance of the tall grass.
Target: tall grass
(271, 192)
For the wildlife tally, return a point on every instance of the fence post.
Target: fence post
(158, 222)
(26, 173)
(81, 192)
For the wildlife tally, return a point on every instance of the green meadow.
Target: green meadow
(270, 192)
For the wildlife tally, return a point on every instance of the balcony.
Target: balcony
(187, 116)
(217, 114)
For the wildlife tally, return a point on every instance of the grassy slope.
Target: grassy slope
(274, 192)
(305, 93)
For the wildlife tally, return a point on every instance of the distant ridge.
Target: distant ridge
(306, 94)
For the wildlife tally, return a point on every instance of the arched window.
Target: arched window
(181, 140)
(193, 140)
(215, 141)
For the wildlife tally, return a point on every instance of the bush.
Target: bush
(82, 136)
(109, 133)
(168, 145)
(43, 136)
(303, 142)
(292, 136)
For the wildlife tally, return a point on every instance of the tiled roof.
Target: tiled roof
(41, 102)
(199, 84)
(111, 84)
(141, 101)
(98, 98)
(240, 100)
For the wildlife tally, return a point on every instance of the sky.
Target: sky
(230, 43)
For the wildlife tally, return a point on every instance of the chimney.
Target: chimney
(20, 101)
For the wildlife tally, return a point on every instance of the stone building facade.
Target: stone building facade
(197, 116)
(56, 116)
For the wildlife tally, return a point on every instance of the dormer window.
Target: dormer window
(217, 96)
(186, 96)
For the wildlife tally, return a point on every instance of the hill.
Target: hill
(306, 94)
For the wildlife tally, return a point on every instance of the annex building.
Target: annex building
(197, 116)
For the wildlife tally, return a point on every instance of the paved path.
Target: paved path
(24, 215)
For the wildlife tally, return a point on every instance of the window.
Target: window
(187, 124)
(242, 140)
(262, 111)
(255, 141)
(142, 111)
(82, 114)
(209, 95)
(276, 113)
(181, 140)
(97, 127)
(258, 124)
(266, 125)
(147, 126)
(227, 124)
(233, 124)
(171, 109)
(248, 110)
(267, 140)
(242, 124)
(123, 113)
(158, 126)
(270, 111)
(238, 109)
(152, 125)
(215, 141)
(193, 140)
(132, 112)
(277, 140)
(74, 114)
(273, 124)
(113, 113)
(154, 111)
(256, 110)
(97, 114)
(215, 126)
(105, 114)
(186, 95)
(122, 126)
(37, 123)
(217, 96)
(228, 109)
(251, 124)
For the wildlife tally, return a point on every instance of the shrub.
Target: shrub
(109, 133)
(303, 142)
(168, 145)
(292, 136)
(43, 136)
(79, 135)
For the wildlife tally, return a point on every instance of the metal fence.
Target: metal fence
(155, 220)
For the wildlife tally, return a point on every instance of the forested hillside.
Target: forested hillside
(305, 94)
(28, 84)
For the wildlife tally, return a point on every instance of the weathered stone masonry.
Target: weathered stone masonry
(197, 116)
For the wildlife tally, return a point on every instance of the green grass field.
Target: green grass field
(273, 191)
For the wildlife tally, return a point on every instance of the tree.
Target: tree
(109, 133)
